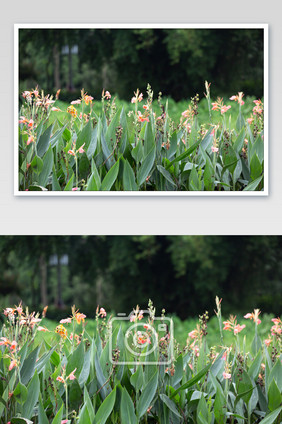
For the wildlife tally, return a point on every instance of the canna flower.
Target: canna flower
(13, 345)
(238, 328)
(71, 152)
(214, 149)
(138, 97)
(81, 150)
(44, 329)
(72, 376)
(62, 331)
(30, 123)
(267, 342)
(142, 118)
(55, 109)
(250, 120)
(65, 321)
(238, 98)
(108, 95)
(226, 375)
(102, 312)
(76, 102)
(88, 99)
(60, 379)
(193, 334)
(231, 325)
(13, 364)
(254, 316)
(224, 109)
(23, 120)
(79, 317)
(74, 189)
(4, 341)
(72, 111)
(64, 421)
(9, 311)
(30, 140)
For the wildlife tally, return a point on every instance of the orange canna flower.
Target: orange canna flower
(62, 331)
(72, 111)
(13, 364)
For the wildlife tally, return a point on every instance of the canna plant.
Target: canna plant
(83, 378)
(143, 150)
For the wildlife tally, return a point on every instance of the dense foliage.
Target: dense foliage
(180, 272)
(173, 60)
(138, 373)
(144, 150)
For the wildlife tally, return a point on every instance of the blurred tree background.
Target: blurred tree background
(182, 274)
(174, 61)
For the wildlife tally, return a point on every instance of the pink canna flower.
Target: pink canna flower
(226, 375)
(81, 150)
(267, 342)
(108, 95)
(76, 102)
(44, 329)
(13, 345)
(13, 364)
(238, 328)
(74, 189)
(224, 109)
(30, 140)
(102, 312)
(65, 321)
(253, 316)
(30, 123)
(193, 334)
(60, 379)
(71, 152)
(72, 376)
(214, 149)
(55, 109)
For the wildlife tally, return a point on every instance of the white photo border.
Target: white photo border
(263, 26)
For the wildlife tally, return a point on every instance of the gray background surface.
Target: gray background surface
(140, 215)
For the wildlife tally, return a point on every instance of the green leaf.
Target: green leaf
(42, 417)
(149, 139)
(47, 167)
(127, 411)
(69, 184)
(192, 380)
(36, 164)
(255, 167)
(137, 152)
(93, 143)
(84, 137)
(254, 184)
(194, 182)
(107, 152)
(54, 139)
(58, 416)
(94, 181)
(20, 420)
(84, 417)
(166, 174)
(55, 183)
(44, 141)
(170, 404)
(244, 387)
(20, 393)
(137, 379)
(230, 158)
(219, 407)
(209, 175)
(146, 166)
(106, 408)
(129, 183)
(185, 154)
(239, 142)
(147, 395)
(35, 187)
(33, 389)
(110, 177)
(28, 367)
(89, 404)
(270, 418)
(274, 396)
(240, 122)
(76, 360)
(255, 366)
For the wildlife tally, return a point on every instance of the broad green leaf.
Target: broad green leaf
(76, 360)
(94, 181)
(239, 142)
(37, 164)
(270, 418)
(192, 380)
(109, 159)
(137, 152)
(146, 167)
(147, 395)
(219, 407)
(84, 417)
(43, 143)
(106, 408)
(47, 167)
(129, 183)
(149, 140)
(230, 158)
(209, 175)
(28, 367)
(194, 183)
(170, 404)
(244, 387)
(102, 382)
(84, 137)
(20, 420)
(110, 177)
(127, 411)
(35, 187)
(254, 184)
(55, 183)
(255, 167)
(69, 185)
(55, 137)
(42, 417)
(20, 393)
(274, 396)
(240, 122)
(93, 143)
(33, 389)
(137, 379)
(111, 131)
(58, 416)
(255, 366)
(166, 174)
(89, 404)
(185, 154)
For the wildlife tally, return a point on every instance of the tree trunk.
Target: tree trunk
(56, 58)
(59, 302)
(43, 279)
(71, 87)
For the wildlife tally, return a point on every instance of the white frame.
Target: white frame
(17, 192)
